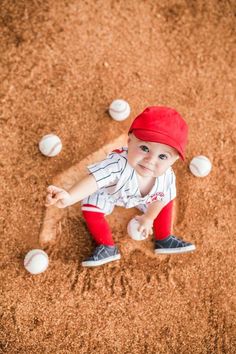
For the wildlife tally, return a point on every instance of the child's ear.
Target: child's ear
(176, 158)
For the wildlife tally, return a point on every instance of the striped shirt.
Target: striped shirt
(118, 185)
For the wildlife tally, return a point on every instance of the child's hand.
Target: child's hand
(145, 225)
(58, 197)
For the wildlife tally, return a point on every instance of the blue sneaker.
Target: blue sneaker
(172, 244)
(101, 255)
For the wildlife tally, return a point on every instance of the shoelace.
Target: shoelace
(98, 250)
(176, 238)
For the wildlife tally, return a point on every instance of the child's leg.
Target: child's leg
(165, 243)
(162, 223)
(105, 251)
(98, 227)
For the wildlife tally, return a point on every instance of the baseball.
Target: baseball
(119, 110)
(133, 232)
(36, 261)
(200, 166)
(50, 145)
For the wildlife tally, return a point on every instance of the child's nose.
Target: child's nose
(150, 159)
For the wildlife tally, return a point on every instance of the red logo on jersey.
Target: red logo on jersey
(154, 197)
(118, 151)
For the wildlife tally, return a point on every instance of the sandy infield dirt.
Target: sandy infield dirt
(61, 64)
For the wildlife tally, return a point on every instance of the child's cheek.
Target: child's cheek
(138, 153)
(160, 169)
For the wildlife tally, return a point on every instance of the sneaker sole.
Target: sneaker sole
(101, 262)
(175, 250)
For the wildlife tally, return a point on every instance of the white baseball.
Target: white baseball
(133, 232)
(36, 261)
(119, 110)
(200, 166)
(50, 145)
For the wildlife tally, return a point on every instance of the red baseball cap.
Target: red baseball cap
(161, 125)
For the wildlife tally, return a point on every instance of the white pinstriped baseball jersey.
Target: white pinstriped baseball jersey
(118, 185)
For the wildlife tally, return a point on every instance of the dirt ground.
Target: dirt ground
(62, 63)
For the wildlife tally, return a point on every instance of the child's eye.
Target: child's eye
(144, 148)
(163, 156)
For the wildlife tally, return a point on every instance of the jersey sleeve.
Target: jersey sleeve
(108, 171)
(170, 187)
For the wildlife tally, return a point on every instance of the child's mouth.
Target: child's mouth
(145, 168)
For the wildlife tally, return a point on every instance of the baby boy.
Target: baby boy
(139, 175)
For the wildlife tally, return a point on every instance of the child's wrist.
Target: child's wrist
(71, 199)
(149, 218)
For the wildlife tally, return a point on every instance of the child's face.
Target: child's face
(150, 159)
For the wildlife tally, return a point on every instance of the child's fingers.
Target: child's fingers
(142, 229)
(145, 231)
(50, 189)
(50, 200)
(60, 195)
(53, 189)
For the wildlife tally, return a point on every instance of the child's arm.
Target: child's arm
(62, 198)
(146, 220)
